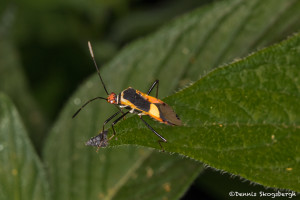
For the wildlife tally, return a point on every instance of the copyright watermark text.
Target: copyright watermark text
(262, 194)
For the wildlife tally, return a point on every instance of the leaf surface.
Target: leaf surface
(243, 118)
(22, 175)
(14, 84)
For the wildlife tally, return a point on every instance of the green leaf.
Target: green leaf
(179, 53)
(158, 177)
(119, 173)
(21, 173)
(243, 118)
(14, 84)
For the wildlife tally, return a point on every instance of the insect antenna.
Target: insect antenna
(89, 101)
(98, 71)
(93, 57)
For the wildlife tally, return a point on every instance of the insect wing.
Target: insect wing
(167, 114)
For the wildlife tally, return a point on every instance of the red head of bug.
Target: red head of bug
(112, 98)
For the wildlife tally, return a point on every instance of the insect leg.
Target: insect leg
(110, 118)
(156, 133)
(119, 109)
(156, 83)
(116, 121)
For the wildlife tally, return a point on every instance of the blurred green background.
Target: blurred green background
(51, 38)
(46, 45)
(44, 58)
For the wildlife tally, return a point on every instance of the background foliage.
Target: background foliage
(43, 58)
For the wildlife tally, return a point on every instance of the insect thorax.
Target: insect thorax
(134, 100)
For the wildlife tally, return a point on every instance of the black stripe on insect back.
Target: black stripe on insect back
(136, 99)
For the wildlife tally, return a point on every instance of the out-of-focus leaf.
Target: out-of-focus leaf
(159, 177)
(243, 118)
(63, 20)
(78, 172)
(142, 21)
(14, 84)
(21, 173)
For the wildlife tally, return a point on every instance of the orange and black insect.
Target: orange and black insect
(136, 102)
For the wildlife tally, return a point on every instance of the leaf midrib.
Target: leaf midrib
(122, 181)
